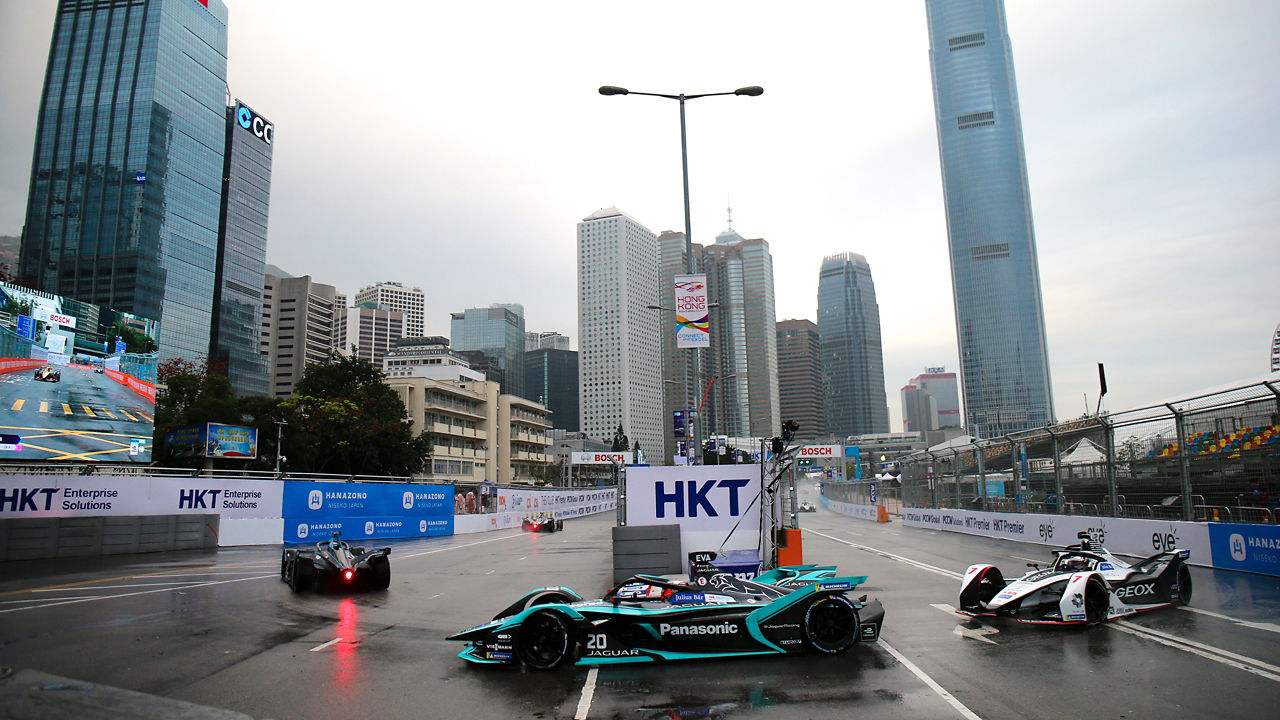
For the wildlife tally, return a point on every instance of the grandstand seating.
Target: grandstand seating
(1208, 443)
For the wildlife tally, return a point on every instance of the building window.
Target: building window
(961, 42)
(973, 120)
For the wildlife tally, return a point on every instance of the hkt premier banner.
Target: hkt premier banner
(822, 452)
(55, 496)
(706, 501)
(693, 325)
(365, 510)
(1140, 538)
(601, 458)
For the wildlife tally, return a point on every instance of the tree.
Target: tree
(620, 442)
(635, 452)
(346, 419)
(134, 341)
(193, 395)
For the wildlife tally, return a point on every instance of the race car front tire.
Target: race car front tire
(545, 640)
(1184, 585)
(1096, 602)
(831, 624)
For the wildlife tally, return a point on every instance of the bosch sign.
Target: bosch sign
(822, 451)
(255, 123)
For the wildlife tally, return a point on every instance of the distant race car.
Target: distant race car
(335, 566)
(48, 373)
(542, 524)
(808, 507)
(1084, 585)
(785, 611)
(97, 369)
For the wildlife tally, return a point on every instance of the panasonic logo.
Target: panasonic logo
(721, 629)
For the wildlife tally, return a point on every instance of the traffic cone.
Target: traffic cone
(882, 514)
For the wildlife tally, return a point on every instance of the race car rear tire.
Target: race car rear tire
(303, 576)
(1184, 585)
(831, 624)
(379, 573)
(1096, 602)
(545, 640)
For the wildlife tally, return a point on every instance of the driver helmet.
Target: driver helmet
(1074, 562)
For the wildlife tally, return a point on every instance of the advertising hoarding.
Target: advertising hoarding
(693, 326)
(47, 496)
(601, 458)
(707, 501)
(366, 510)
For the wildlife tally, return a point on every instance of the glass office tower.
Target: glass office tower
(854, 401)
(498, 332)
(1004, 363)
(242, 250)
(126, 176)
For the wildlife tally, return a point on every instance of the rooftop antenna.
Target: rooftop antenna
(729, 209)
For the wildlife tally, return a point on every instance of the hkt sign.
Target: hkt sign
(822, 452)
(698, 497)
(255, 123)
(601, 458)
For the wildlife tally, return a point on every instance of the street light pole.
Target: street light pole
(279, 431)
(749, 91)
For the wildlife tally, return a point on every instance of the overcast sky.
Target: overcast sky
(454, 146)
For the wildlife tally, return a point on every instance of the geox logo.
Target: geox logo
(1134, 590)
(721, 629)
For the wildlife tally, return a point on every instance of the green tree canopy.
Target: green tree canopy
(344, 418)
(195, 395)
(620, 442)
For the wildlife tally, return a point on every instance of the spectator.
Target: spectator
(1255, 496)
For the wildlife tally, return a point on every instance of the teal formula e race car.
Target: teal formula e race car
(788, 610)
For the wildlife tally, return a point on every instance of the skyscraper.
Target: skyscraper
(743, 356)
(619, 361)
(546, 339)
(551, 378)
(852, 357)
(122, 209)
(498, 332)
(930, 400)
(800, 377)
(1004, 363)
(371, 331)
(396, 296)
(242, 250)
(302, 323)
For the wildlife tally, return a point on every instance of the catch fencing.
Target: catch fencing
(1210, 457)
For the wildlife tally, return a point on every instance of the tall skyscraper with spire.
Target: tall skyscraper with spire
(1004, 362)
(852, 357)
(126, 177)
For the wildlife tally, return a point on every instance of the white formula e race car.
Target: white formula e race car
(1084, 585)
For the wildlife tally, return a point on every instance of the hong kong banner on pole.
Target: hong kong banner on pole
(693, 326)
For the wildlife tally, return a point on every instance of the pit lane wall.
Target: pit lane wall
(1225, 546)
(862, 512)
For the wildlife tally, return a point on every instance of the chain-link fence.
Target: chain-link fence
(1215, 456)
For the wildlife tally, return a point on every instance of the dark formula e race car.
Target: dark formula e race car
(48, 373)
(541, 524)
(788, 610)
(335, 566)
(1084, 585)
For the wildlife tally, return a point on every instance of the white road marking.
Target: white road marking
(942, 693)
(899, 558)
(978, 633)
(1248, 664)
(322, 646)
(175, 585)
(588, 692)
(490, 571)
(140, 592)
(1269, 627)
(433, 597)
(1040, 561)
(1257, 667)
(944, 608)
(458, 547)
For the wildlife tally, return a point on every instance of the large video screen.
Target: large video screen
(77, 382)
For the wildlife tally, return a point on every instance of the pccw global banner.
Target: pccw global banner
(313, 510)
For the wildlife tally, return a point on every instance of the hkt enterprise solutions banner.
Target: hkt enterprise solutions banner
(693, 325)
(313, 510)
(44, 496)
(706, 501)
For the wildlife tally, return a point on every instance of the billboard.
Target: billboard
(213, 440)
(600, 458)
(693, 325)
(66, 396)
(716, 506)
(312, 510)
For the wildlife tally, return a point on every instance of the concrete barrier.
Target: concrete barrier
(45, 538)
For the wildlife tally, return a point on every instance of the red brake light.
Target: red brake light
(346, 574)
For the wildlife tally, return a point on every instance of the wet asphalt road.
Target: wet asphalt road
(219, 629)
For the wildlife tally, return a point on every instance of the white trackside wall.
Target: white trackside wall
(1124, 536)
